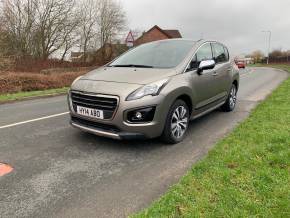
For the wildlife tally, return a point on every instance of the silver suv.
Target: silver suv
(155, 90)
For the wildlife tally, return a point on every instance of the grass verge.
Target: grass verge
(245, 175)
(31, 94)
(285, 67)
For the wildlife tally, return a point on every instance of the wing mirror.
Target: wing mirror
(205, 65)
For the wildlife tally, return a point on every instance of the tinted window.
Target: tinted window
(203, 53)
(219, 53)
(162, 54)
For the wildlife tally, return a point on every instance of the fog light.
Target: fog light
(141, 115)
(138, 115)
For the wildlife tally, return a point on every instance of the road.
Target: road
(62, 172)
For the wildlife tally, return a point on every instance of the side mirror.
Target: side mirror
(205, 65)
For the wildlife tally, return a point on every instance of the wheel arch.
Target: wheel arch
(187, 99)
(236, 83)
(182, 93)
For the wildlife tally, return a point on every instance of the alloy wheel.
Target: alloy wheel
(179, 122)
(233, 97)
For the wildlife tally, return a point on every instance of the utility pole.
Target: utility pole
(269, 43)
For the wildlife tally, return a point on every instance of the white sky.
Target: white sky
(237, 23)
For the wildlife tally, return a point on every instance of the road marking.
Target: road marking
(5, 169)
(33, 120)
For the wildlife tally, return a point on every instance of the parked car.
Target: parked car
(241, 64)
(154, 90)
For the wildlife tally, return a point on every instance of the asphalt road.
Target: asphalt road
(62, 172)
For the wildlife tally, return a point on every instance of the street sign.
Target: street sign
(130, 39)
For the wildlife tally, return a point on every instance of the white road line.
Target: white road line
(33, 120)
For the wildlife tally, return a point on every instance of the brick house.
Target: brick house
(111, 50)
(156, 33)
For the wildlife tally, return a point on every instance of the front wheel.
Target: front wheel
(230, 104)
(176, 123)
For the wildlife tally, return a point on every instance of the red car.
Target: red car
(241, 64)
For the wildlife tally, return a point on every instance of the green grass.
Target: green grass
(285, 67)
(24, 95)
(245, 175)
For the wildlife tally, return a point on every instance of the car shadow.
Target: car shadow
(93, 142)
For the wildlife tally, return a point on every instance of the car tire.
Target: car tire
(231, 101)
(176, 124)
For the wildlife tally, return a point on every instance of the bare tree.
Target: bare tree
(257, 56)
(38, 27)
(17, 18)
(277, 53)
(55, 23)
(41, 28)
(111, 21)
(3, 36)
(87, 25)
(70, 38)
(100, 22)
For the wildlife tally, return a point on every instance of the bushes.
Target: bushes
(11, 82)
(30, 64)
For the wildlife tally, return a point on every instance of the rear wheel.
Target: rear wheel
(176, 123)
(230, 104)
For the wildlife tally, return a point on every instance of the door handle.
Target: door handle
(214, 73)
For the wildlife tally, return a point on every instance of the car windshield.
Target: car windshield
(161, 54)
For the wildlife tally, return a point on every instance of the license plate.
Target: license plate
(89, 112)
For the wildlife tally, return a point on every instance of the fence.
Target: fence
(279, 59)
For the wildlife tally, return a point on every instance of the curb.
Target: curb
(32, 98)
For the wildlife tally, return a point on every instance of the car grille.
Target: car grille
(108, 104)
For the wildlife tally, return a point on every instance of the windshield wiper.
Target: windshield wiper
(131, 65)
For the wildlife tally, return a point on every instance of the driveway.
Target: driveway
(62, 172)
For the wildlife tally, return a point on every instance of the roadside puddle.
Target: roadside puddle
(5, 169)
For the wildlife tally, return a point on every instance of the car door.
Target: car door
(222, 70)
(202, 84)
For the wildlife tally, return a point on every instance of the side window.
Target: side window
(219, 53)
(203, 53)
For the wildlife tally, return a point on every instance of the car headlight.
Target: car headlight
(150, 89)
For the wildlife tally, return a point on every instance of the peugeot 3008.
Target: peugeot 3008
(154, 90)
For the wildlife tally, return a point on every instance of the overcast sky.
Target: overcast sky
(237, 23)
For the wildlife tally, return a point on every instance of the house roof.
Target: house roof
(173, 33)
(169, 33)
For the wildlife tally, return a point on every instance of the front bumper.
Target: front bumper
(118, 127)
(109, 133)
